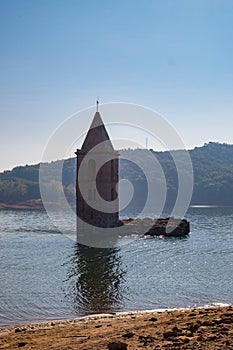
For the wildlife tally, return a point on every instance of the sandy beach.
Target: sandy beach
(205, 328)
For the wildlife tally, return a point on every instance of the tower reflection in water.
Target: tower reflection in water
(95, 280)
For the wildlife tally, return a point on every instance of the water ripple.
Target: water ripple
(43, 275)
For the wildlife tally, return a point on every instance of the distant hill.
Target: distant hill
(212, 165)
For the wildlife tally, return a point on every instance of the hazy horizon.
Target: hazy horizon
(74, 156)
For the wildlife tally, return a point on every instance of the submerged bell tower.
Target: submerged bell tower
(97, 178)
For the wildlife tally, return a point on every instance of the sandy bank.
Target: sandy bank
(206, 328)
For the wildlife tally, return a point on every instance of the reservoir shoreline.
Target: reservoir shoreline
(189, 328)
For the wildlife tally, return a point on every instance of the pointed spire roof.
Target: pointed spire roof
(96, 135)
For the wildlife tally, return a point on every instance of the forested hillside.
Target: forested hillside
(212, 165)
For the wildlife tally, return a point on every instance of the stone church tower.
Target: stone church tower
(97, 178)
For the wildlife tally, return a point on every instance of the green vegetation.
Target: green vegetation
(212, 165)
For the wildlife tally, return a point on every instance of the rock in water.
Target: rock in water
(169, 227)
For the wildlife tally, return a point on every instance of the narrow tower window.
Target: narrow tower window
(91, 169)
(112, 170)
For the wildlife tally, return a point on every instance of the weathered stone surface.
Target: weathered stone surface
(117, 346)
(167, 227)
(128, 335)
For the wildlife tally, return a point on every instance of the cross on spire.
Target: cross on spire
(97, 104)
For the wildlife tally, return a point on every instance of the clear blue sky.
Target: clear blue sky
(174, 56)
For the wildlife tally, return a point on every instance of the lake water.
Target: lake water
(44, 275)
